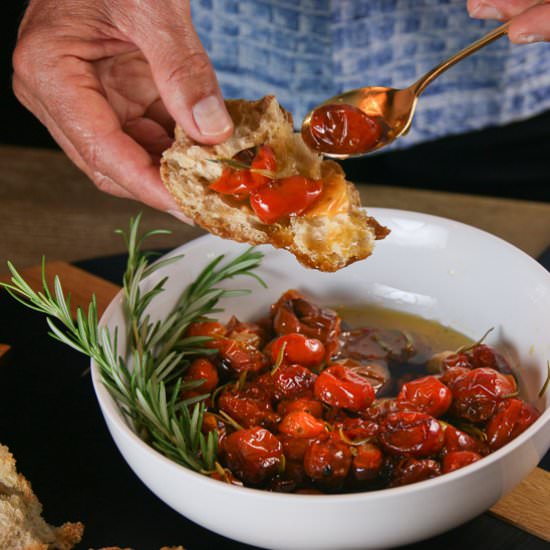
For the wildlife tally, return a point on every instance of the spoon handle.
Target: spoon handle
(420, 85)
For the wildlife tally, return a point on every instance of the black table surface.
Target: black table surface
(50, 420)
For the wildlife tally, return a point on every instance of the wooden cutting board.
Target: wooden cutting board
(526, 507)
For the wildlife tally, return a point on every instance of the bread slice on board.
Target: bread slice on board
(334, 232)
(21, 523)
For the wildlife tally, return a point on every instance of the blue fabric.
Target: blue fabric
(305, 51)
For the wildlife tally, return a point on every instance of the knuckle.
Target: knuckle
(193, 66)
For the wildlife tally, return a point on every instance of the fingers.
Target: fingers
(498, 9)
(530, 18)
(185, 78)
(531, 26)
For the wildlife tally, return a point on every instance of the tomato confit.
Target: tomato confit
(302, 403)
(252, 176)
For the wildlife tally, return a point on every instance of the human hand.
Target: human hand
(530, 19)
(109, 77)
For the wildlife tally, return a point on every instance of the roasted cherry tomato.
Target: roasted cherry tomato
(264, 160)
(203, 369)
(251, 334)
(512, 417)
(239, 356)
(412, 470)
(458, 459)
(309, 352)
(295, 448)
(367, 462)
(293, 313)
(305, 404)
(253, 455)
(358, 429)
(211, 422)
(285, 197)
(427, 395)
(457, 440)
(457, 360)
(477, 393)
(342, 130)
(301, 425)
(328, 462)
(234, 182)
(380, 408)
(341, 387)
(293, 381)
(411, 433)
(212, 329)
(249, 406)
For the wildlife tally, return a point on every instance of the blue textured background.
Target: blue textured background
(304, 51)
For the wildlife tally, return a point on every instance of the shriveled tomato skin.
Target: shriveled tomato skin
(328, 462)
(428, 395)
(477, 393)
(249, 406)
(292, 381)
(305, 404)
(212, 329)
(285, 197)
(411, 433)
(342, 129)
(367, 462)
(413, 470)
(253, 455)
(340, 387)
(511, 418)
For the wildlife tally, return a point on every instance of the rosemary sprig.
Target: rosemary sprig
(146, 378)
(238, 165)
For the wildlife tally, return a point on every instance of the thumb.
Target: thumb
(187, 82)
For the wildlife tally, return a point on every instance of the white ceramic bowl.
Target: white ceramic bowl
(437, 268)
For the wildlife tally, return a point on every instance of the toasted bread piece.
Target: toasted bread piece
(331, 234)
(21, 523)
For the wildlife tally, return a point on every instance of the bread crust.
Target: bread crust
(21, 523)
(322, 241)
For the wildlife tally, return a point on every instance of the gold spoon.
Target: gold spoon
(392, 108)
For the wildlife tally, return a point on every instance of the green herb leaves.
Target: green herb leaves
(146, 378)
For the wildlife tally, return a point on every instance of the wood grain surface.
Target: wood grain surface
(526, 507)
(48, 207)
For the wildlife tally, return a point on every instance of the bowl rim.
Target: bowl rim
(111, 410)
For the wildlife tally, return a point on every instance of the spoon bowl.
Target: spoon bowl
(392, 109)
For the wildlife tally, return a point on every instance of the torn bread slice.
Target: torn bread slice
(21, 523)
(332, 233)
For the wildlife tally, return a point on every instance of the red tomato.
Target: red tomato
(301, 425)
(264, 160)
(357, 429)
(328, 462)
(411, 470)
(309, 352)
(285, 197)
(367, 462)
(477, 393)
(211, 422)
(305, 404)
(341, 387)
(253, 455)
(293, 381)
(207, 328)
(203, 369)
(457, 440)
(240, 357)
(428, 395)
(411, 433)
(250, 406)
(512, 417)
(294, 448)
(457, 360)
(458, 459)
(342, 130)
(234, 182)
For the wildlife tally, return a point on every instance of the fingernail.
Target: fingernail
(528, 38)
(181, 216)
(485, 11)
(211, 116)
